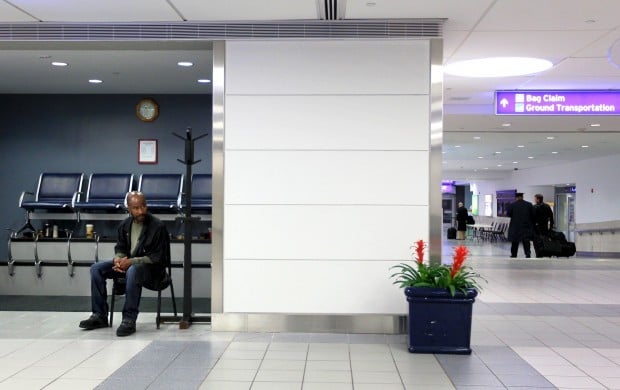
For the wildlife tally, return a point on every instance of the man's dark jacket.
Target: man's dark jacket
(521, 213)
(543, 217)
(154, 241)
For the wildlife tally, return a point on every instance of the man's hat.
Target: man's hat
(519, 194)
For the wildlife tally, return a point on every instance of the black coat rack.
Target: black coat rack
(188, 317)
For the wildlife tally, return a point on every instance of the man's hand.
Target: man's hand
(121, 264)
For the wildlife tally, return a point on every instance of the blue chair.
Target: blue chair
(106, 191)
(162, 190)
(202, 194)
(55, 192)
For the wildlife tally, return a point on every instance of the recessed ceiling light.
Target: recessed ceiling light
(506, 124)
(95, 81)
(486, 168)
(477, 137)
(585, 146)
(480, 157)
(515, 162)
(498, 152)
(371, 4)
(204, 81)
(520, 146)
(498, 67)
(550, 137)
(554, 152)
(595, 125)
(185, 63)
(58, 63)
(499, 165)
(530, 157)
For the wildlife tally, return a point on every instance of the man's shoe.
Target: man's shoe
(95, 321)
(512, 257)
(126, 328)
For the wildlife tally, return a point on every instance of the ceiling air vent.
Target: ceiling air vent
(328, 9)
(308, 29)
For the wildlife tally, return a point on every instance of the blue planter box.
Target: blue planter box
(439, 322)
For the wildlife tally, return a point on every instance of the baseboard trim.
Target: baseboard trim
(602, 255)
(311, 323)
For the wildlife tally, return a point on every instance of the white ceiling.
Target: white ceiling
(576, 35)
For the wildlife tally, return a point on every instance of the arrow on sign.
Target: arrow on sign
(503, 102)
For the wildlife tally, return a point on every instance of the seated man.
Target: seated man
(140, 252)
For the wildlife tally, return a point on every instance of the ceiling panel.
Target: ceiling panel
(553, 45)
(548, 15)
(460, 15)
(585, 67)
(11, 14)
(98, 10)
(126, 71)
(236, 10)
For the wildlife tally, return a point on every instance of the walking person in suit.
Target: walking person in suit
(521, 228)
(461, 221)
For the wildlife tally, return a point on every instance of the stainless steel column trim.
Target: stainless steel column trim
(310, 323)
(436, 145)
(217, 224)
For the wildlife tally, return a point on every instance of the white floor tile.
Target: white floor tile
(328, 376)
(574, 382)
(224, 385)
(73, 384)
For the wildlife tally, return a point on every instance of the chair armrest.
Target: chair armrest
(74, 198)
(180, 200)
(21, 197)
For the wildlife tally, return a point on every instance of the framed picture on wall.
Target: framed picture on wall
(147, 151)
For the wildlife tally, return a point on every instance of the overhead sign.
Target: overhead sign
(559, 102)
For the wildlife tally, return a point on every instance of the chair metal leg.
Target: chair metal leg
(174, 302)
(112, 308)
(158, 318)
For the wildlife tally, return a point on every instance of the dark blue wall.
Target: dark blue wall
(89, 134)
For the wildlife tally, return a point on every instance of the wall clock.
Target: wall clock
(147, 110)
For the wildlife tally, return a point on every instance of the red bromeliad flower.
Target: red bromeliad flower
(460, 254)
(419, 250)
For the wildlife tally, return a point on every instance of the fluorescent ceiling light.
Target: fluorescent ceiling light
(95, 81)
(185, 63)
(498, 67)
(58, 63)
(204, 81)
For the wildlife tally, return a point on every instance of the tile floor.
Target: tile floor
(538, 324)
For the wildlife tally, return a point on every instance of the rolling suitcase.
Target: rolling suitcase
(567, 248)
(553, 244)
(545, 246)
(451, 233)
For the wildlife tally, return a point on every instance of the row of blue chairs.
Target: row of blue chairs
(108, 191)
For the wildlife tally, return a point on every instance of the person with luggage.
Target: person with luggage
(543, 216)
(521, 227)
(461, 221)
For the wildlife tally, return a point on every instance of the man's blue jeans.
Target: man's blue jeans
(135, 277)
